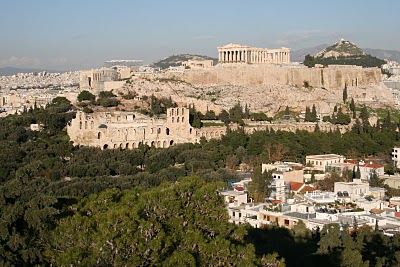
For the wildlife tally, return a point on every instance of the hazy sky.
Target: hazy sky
(72, 34)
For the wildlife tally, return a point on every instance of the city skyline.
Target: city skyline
(78, 35)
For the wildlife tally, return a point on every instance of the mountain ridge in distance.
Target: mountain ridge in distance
(298, 55)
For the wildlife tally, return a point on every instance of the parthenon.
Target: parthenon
(237, 53)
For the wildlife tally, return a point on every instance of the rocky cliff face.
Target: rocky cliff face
(260, 97)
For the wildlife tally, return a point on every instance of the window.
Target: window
(233, 214)
(172, 119)
(177, 119)
(286, 222)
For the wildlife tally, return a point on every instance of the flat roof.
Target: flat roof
(325, 156)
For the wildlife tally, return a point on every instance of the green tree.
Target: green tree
(375, 181)
(180, 223)
(260, 188)
(313, 116)
(308, 116)
(358, 172)
(86, 96)
(345, 94)
(309, 61)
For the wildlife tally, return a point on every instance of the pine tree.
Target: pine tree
(364, 116)
(358, 173)
(352, 105)
(246, 112)
(314, 114)
(309, 61)
(345, 93)
(308, 114)
(287, 111)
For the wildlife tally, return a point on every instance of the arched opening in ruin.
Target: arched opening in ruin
(183, 111)
(158, 130)
(99, 135)
(164, 144)
(167, 131)
(127, 145)
(172, 119)
(85, 125)
(115, 146)
(120, 145)
(152, 144)
(177, 119)
(171, 142)
(105, 146)
(80, 125)
(190, 131)
(158, 144)
(133, 145)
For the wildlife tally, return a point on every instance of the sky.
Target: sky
(82, 34)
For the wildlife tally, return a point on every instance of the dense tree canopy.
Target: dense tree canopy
(47, 186)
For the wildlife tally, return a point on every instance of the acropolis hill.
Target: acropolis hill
(262, 78)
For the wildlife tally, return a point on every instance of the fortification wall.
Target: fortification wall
(333, 77)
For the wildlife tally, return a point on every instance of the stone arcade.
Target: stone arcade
(128, 130)
(237, 53)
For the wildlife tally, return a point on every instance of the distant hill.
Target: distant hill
(298, 55)
(8, 71)
(384, 54)
(176, 60)
(342, 48)
(344, 52)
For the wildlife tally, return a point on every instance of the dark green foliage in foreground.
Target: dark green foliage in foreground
(183, 224)
(36, 202)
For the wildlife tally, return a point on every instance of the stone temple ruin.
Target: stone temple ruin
(128, 130)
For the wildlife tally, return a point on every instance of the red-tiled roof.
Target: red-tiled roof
(239, 188)
(295, 186)
(352, 161)
(308, 188)
(397, 214)
(372, 165)
(276, 201)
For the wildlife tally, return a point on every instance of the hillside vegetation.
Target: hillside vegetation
(343, 53)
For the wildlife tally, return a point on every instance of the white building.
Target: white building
(355, 189)
(319, 162)
(396, 156)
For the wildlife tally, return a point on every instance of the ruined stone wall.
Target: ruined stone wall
(293, 127)
(333, 77)
(128, 130)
